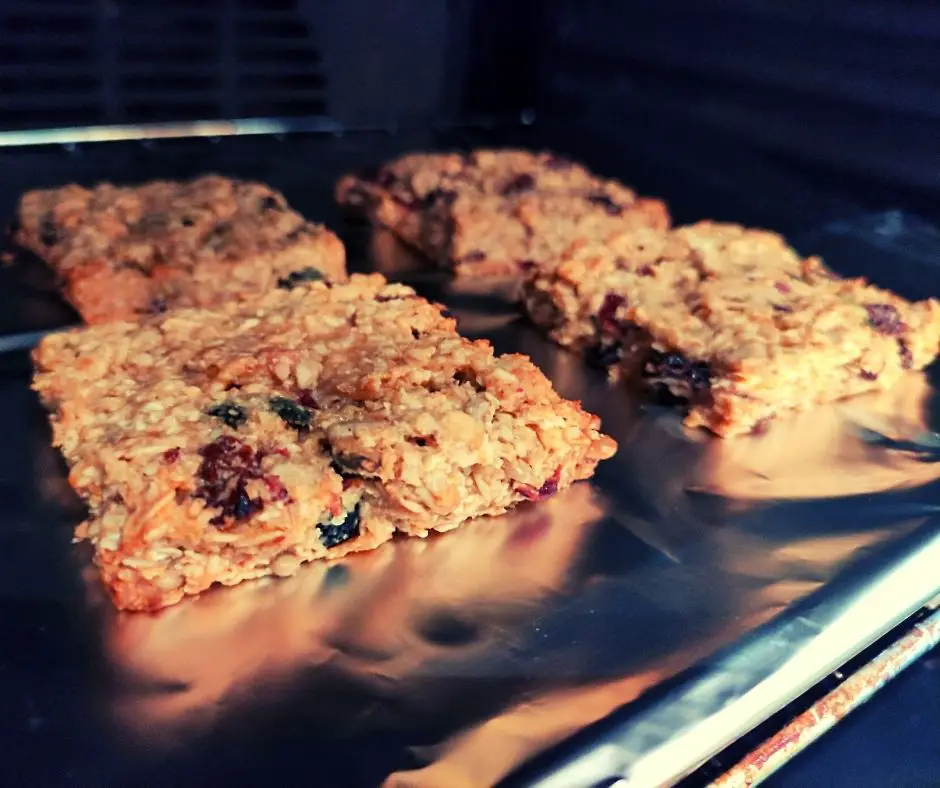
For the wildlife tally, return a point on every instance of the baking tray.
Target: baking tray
(642, 622)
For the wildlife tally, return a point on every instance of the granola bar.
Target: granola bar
(731, 323)
(123, 252)
(218, 446)
(495, 212)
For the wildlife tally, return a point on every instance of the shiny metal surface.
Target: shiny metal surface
(828, 712)
(695, 586)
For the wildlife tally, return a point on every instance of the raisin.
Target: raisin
(353, 463)
(421, 440)
(699, 376)
(885, 319)
(606, 320)
(307, 398)
(473, 256)
(48, 232)
(171, 455)
(608, 204)
(231, 414)
(521, 183)
(218, 235)
(243, 505)
(270, 203)
(645, 270)
(782, 308)
(294, 278)
(187, 221)
(446, 313)
(439, 197)
(604, 354)
(526, 265)
(467, 375)
(415, 334)
(290, 412)
(386, 178)
(332, 535)
(867, 374)
(661, 394)
(907, 357)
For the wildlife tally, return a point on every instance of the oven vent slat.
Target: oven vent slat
(90, 62)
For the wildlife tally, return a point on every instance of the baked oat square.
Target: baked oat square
(123, 252)
(218, 446)
(495, 212)
(731, 323)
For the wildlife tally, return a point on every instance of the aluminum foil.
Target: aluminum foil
(689, 591)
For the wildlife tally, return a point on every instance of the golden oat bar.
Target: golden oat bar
(218, 446)
(123, 252)
(731, 323)
(495, 212)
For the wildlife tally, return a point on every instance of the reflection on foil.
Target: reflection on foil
(382, 617)
(639, 592)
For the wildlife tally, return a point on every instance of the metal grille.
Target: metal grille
(89, 62)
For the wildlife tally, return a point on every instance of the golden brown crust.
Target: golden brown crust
(216, 446)
(495, 212)
(123, 252)
(729, 320)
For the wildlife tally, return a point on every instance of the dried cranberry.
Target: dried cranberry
(782, 308)
(290, 413)
(277, 488)
(907, 357)
(885, 319)
(606, 315)
(867, 374)
(467, 375)
(523, 182)
(171, 455)
(48, 232)
(332, 535)
(307, 398)
(548, 488)
(645, 270)
(526, 265)
(227, 466)
(231, 414)
(473, 256)
(604, 354)
(607, 203)
(295, 278)
(782, 287)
